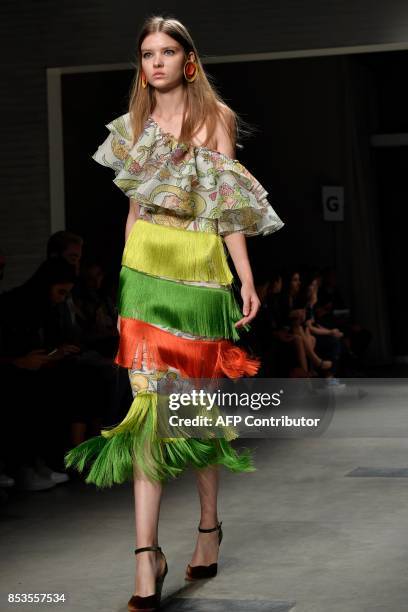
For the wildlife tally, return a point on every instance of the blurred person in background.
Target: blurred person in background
(332, 312)
(34, 340)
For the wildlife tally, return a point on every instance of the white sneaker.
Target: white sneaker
(29, 480)
(6, 481)
(45, 472)
(335, 384)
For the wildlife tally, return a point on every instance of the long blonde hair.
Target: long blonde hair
(203, 104)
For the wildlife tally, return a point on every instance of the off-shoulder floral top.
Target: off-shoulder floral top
(185, 186)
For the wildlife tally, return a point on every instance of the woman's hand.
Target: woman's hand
(251, 304)
(34, 360)
(64, 350)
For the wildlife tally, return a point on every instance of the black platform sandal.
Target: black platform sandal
(150, 603)
(197, 572)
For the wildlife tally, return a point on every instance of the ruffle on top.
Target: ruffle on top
(165, 175)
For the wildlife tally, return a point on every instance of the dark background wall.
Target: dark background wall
(44, 34)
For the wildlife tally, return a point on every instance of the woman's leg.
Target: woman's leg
(309, 344)
(300, 353)
(331, 348)
(149, 564)
(147, 494)
(206, 550)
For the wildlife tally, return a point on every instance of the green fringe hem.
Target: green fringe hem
(112, 456)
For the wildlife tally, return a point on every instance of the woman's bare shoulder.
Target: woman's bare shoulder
(224, 130)
(225, 113)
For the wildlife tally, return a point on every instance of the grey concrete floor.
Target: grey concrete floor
(301, 533)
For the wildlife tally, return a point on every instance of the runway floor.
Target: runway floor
(319, 527)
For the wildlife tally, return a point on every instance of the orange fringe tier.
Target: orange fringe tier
(193, 358)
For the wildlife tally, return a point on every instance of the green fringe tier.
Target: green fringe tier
(203, 311)
(113, 456)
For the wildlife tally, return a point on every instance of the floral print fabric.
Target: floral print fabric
(189, 187)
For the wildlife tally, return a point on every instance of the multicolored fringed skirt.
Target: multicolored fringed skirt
(177, 313)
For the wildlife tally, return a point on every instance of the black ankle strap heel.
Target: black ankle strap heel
(197, 572)
(151, 603)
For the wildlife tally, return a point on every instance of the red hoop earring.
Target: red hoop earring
(190, 71)
(143, 80)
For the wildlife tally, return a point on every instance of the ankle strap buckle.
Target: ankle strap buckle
(212, 529)
(139, 550)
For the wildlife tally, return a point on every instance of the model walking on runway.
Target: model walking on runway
(173, 155)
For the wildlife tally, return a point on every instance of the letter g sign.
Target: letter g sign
(333, 203)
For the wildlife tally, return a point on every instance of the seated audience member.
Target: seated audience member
(36, 395)
(66, 245)
(295, 316)
(287, 348)
(96, 311)
(282, 353)
(332, 311)
(325, 341)
(96, 361)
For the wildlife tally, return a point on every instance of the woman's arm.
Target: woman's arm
(133, 215)
(320, 331)
(236, 242)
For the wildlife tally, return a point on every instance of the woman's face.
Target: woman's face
(73, 254)
(59, 292)
(163, 55)
(312, 290)
(295, 283)
(277, 285)
(93, 277)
